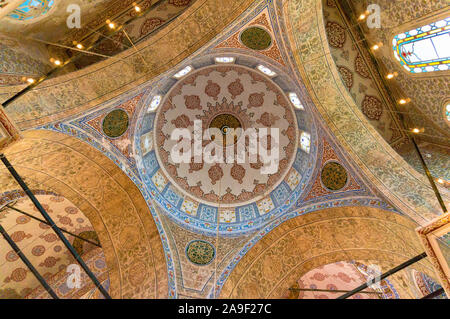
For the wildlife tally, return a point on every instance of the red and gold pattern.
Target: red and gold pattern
(272, 52)
(123, 143)
(38, 242)
(244, 98)
(318, 189)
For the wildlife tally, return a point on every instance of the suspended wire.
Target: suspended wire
(15, 209)
(42, 185)
(30, 86)
(411, 138)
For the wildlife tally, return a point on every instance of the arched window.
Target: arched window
(305, 142)
(425, 49)
(447, 112)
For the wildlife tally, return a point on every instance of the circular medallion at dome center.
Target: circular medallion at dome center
(229, 127)
(226, 98)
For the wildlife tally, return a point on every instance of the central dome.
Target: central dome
(226, 98)
(216, 112)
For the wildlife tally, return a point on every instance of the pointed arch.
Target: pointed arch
(306, 242)
(116, 209)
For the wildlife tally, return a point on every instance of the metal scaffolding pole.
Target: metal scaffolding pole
(52, 225)
(44, 222)
(434, 294)
(27, 263)
(334, 291)
(383, 276)
(430, 178)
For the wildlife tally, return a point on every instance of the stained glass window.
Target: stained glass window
(183, 72)
(425, 49)
(224, 59)
(447, 112)
(266, 70)
(31, 9)
(305, 142)
(296, 101)
(156, 100)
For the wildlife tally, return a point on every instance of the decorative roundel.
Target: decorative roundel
(334, 176)
(200, 252)
(18, 274)
(226, 123)
(38, 250)
(115, 123)
(11, 256)
(256, 38)
(31, 9)
(23, 219)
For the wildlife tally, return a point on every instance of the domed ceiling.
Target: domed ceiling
(210, 214)
(320, 282)
(225, 97)
(234, 190)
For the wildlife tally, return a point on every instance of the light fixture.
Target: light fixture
(155, 102)
(402, 101)
(55, 61)
(296, 101)
(110, 24)
(183, 72)
(390, 76)
(225, 59)
(137, 9)
(440, 181)
(415, 130)
(362, 17)
(79, 46)
(30, 80)
(375, 47)
(266, 70)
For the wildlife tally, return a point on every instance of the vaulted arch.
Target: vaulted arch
(306, 242)
(116, 209)
(399, 182)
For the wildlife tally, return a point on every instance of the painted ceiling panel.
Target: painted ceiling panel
(334, 123)
(39, 243)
